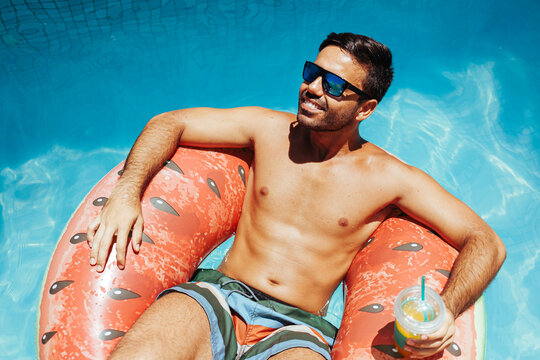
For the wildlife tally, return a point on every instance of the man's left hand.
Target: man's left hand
(431, 344)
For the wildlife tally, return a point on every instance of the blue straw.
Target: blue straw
(424, 297)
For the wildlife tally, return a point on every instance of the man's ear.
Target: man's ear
(366, 109)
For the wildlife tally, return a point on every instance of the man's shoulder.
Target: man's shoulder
(266, 113)
(264, 121)
(392, 170)
(380, 158)
(270, 124)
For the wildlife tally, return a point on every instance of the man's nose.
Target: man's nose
(316, 87)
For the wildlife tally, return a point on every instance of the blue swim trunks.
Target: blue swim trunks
(248, 324)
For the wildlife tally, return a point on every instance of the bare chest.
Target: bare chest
(330, 197)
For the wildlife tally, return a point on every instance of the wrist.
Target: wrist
(449, 305)
(126, 190)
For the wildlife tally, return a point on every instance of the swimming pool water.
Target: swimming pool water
(79, 79)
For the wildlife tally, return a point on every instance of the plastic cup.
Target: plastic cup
(415, 317)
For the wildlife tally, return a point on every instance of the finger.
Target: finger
(104, 249)
(431, 343)
(415, 353)
(441, 333)
(426, 346)
(426, 349)
(90, 232)
(136, 235)
(421, 343)
(96, 244)
(436, 337)
(419, 353)
(121, 245)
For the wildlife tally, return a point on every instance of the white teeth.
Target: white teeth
(312, 105)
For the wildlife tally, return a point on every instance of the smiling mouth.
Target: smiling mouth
(311, 105)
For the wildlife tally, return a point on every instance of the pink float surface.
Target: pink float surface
(398, 253)
(191, 206)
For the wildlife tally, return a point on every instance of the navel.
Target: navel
(343, 222)
(264, 191)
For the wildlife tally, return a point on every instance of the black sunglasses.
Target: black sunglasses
(332, 84)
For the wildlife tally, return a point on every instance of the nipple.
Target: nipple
(264, 191)
(343, 222)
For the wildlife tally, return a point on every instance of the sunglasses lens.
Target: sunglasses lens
(334, 85)
(311, 72)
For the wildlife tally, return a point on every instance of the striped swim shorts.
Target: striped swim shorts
(248, 324)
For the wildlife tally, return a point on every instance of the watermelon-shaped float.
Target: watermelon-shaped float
(190, 207)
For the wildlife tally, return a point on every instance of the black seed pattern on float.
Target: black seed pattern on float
(409, 247)
(454, 349)
(173, 166)
(122, 294)
(100, 201)
(162, 205)
(368, 242)
(59, 285)
(146, 239)
(120, 172)
(47, 336)
(389, 350)
(78, 238)
(211, 183)
(242, 173)
(109, 334)
(444, 272)
(372, 308)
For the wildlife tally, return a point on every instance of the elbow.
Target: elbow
(171, 121)
(169, 116)
(500, 252)
(495, 244)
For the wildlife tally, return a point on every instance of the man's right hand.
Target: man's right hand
(158, 141)
(113, 224)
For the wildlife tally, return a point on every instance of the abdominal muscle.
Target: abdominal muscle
(294, 265)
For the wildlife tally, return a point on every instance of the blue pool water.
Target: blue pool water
(79, 80)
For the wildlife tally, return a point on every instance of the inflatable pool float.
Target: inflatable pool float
(396, 256)
(190, 207)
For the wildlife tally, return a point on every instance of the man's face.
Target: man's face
(320, 111)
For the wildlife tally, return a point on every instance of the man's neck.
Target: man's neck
(327, 144)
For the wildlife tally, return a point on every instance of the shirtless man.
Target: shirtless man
(316, 192)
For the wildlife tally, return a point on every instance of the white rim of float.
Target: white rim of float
(480, 326)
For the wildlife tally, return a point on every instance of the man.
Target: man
(316, 192)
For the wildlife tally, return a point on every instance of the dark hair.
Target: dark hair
(376, 58)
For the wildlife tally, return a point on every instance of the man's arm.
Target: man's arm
(156, 144)
(481, 250)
